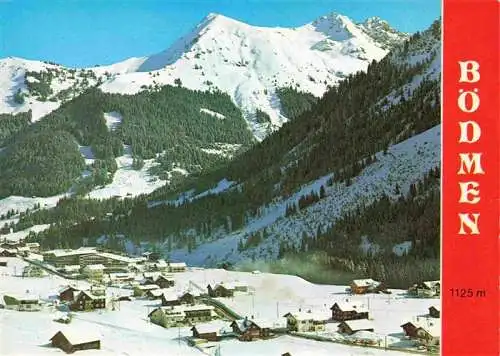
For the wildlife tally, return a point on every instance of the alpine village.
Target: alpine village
(248, 191)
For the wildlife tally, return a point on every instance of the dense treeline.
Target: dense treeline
(294, 102)
(43, 161)
(12, 124)
(166, 123)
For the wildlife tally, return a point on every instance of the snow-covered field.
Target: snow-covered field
(126, 331)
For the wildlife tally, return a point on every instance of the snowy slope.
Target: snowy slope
(401, 166)
(249, 62)
(65, 84)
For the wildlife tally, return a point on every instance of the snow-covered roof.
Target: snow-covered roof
(367, 282)
(177, 264)
(90, 295)
(32, 244)
(269, 323)
(69, 252)
(79, 336)
(309, 316)
(352, 306)
(360, 324)
(217, 326)
(65, 288)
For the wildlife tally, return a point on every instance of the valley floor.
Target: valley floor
(127, 330)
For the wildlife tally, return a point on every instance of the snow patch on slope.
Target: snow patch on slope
(113, 120)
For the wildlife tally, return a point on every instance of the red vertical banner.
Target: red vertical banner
(470, 181)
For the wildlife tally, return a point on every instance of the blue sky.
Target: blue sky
(90, 32)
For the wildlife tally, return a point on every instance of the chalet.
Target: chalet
(68, 293)
(430, 334)
(426, 330)
(220, 290)
(22, 303)
(210, 331)
(70, 341)
(368, 285)
(156, 293)
(84, 300)
(434, 311)
(3, 263)
(169, 299)
(93, 272)
(428, 289)
(348, 311)
(8, 253)
(189, 297)
(33, 271)
(33, 246)
(305, 322)
(139, 291)
(239, 326)
(351, 326)
(410, 329)
(176, 267)
(160, 280)
(181, 315)
(261, 329)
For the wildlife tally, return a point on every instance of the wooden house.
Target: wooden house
(71, 341)
(348, 311)
(239, 326)
(182, 315)
(167, 316)
(434, 311)
(305, 321)
(139, 291)
(84, 300)
(8, 253)
(237, 286)
(189, 297)
(410, 329)
(68, 293)
(164, 282)
(429, 336)
(22, 303)
(211, 331)
(169, 299)
(351, 326)
(156, 293)
(3, 263)
(367, 285)
(220, 290)
(261, 329)
(426, 289)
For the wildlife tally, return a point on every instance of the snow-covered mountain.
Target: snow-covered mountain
(250, 62)
(247, 62)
